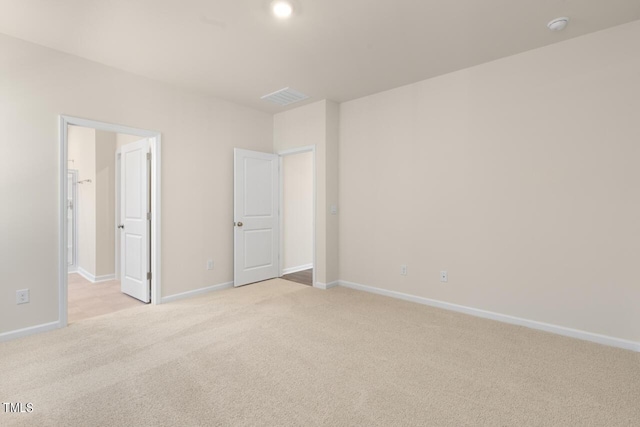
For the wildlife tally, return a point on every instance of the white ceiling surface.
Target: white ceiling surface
(334, 49)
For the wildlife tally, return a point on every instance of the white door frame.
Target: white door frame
(117, 214)
(155, 137)
(306, 149)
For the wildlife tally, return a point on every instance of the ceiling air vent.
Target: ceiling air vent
(285, 96)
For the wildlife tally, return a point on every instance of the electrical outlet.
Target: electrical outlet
(444, 276)
(210, 264)
(22, 296)
(403, 270)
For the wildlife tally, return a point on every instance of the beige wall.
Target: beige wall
(82, 150)
(198, 136)
(317, 124)
(124, 139)
(297, 214)
(93, 155)
(520, 177)
(105, 202)
(332, 126)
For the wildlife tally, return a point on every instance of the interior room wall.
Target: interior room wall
(93, 154)
(105, 203)
(124, 139)
(332, 136)
(519, 177)
(297, 215)
(199, 133)
(82, 150)
(317, 124)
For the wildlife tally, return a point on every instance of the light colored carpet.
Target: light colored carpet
(279, 353)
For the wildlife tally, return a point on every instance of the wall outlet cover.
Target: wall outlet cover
(22, 296)
(403, 270)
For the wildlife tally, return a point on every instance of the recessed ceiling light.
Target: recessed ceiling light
(558, 24)
(282, 9)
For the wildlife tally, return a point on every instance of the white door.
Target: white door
(134, 226)
(256, 223)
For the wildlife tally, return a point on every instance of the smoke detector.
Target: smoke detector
(558, 24)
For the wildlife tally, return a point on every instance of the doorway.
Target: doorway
(261, 249)
(96, 282)
(297, 216)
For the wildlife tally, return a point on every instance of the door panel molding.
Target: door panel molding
(256, 214)
(134, 226)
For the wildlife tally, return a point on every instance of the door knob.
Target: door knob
(240, 224)
(121, 226)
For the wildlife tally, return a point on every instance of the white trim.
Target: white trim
(533, 324)
(326, 286)
(156, 138)
(291, 270)
(156, 215)
(116, 230)
(84, 273)
(196, 292)
(95, 279)
(62, 225)
(288, 152)
(19, 333)
(104, 278)
(296, 150)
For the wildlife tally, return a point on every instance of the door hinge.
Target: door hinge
(148, 156)
(149, 276)
(148, 216)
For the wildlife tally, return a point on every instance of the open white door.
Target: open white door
(256, 223)
(134, 226)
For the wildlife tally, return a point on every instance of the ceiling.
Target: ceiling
(334, 49)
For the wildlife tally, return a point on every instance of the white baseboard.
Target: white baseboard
(296, 269)
(72, 270)
(105, 278)
(196, 292)
(95, 279)
(84, 273)
(330, 285)
(11, 335)
(533, 324)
